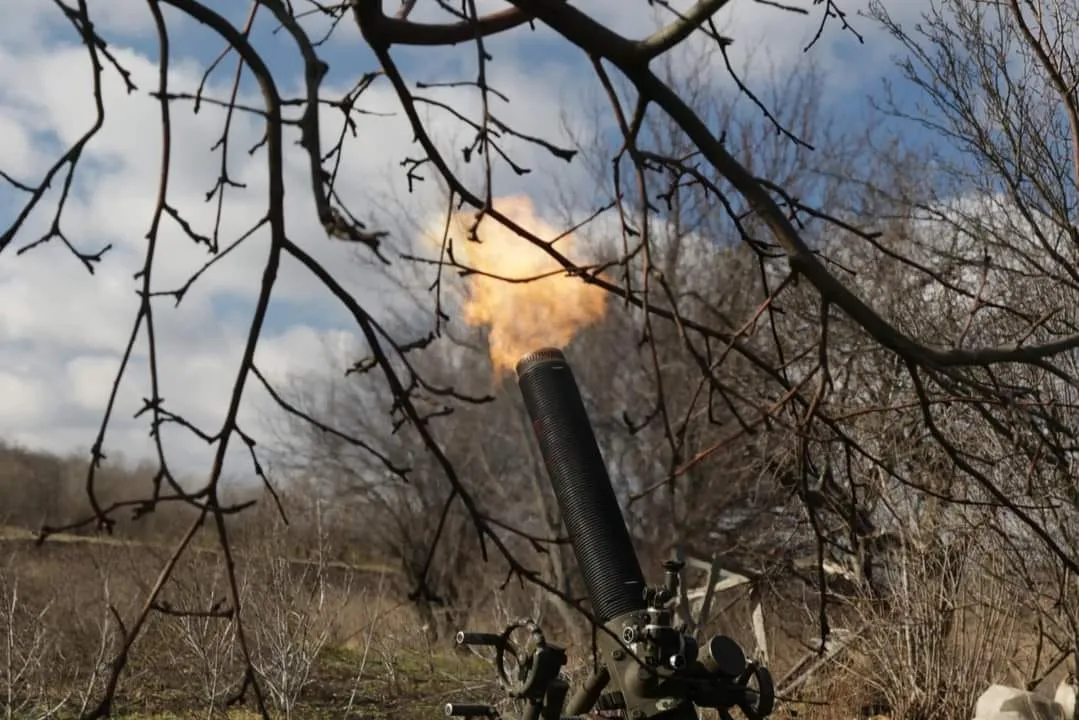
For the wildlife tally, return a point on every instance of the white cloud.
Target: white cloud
(23, 395)
(15, 155)
(63, 331)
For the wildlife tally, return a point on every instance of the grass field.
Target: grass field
(371, 658)
(346, 685)
(344, 629)
(341, 640)
(11, 534)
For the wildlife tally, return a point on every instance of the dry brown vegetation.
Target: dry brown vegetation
(841, 362)
(328, 638)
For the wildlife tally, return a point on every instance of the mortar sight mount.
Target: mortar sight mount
(658, 670)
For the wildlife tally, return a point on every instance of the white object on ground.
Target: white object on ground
(1000, 702)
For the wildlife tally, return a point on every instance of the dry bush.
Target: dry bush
(945, 632)
(293, 608)
(60, 626)
(203, 647)
(23, 664)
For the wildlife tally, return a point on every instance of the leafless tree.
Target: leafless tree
(896, 352)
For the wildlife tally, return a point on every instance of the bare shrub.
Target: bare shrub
(368, 634)
(58, 626)
(25, 653)
(929, 647)
(293, 608)
(205, 625)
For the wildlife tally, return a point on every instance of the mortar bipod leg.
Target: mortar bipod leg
(588, 695)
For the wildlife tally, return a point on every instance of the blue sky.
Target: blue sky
(61, 330)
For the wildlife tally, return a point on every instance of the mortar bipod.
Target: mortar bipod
(657, 670)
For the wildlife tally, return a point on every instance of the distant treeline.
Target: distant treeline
(39, 489)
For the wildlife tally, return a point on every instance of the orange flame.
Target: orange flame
(531, 313)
